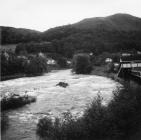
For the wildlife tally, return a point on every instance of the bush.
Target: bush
(36, 66)
(62, 62)
(66, 129)
(11, 64)
(81, 64)
(126, 112)
(119, 120)
(110, 67)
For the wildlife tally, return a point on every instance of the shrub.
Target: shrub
(62, 62)
(125, 109)
(11, 64)
(110, 67)
(81, 64)
(118, 120)
(66, 129)
(36, 66)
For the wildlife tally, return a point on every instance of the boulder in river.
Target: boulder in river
(62, 84)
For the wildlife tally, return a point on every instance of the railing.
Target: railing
(130, 65)
(130, 69)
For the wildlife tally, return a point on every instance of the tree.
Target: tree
(81, 63)
(36, 66)
(62, 62)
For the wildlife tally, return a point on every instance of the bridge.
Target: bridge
(130, 65)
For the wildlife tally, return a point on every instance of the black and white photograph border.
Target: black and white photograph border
(70, 69)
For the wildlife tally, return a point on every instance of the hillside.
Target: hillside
(112, 34)
(11, 35)
(119, 22)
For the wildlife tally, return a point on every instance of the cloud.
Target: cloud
(44, 14)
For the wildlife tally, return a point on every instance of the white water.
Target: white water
(52, 100)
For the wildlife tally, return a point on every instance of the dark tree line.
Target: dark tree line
(34, 47)
(67, 40)
(10, 35)
(88, 41)
(31, 65)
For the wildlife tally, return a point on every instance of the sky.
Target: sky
(44, 14)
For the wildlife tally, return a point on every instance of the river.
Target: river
(52, 100)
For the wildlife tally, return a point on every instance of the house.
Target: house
(51, 61)
(108, 60)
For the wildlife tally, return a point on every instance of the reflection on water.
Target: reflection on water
(52, 100)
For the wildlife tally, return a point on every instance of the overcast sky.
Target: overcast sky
(44, 14)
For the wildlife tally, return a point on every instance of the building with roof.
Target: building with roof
(130, 64)
(130, 61)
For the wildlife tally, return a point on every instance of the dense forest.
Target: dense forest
(110, 34)
(66, 41)
(11, 35)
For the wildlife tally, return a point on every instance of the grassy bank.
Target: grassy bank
(103, 71)
(15, 101)
(15, 76)
(117, 121)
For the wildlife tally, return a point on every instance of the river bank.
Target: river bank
(102, 71)
(9, 77)
(98, 70)
(20, 75)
